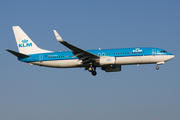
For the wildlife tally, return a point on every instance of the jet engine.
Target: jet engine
(107, 60)
(114, 68)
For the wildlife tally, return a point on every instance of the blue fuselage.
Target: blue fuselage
(117, 53)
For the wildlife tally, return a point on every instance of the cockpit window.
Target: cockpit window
(163, 51)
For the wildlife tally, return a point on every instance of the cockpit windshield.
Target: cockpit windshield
(163, 51)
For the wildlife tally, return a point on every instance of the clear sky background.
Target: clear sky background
(136, 93)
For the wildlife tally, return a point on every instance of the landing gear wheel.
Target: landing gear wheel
(94, 73)
(90, 69)
(157, 68)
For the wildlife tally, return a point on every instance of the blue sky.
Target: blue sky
(40, 93)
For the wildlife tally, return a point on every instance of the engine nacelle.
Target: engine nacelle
(107, 60)
(114, 68)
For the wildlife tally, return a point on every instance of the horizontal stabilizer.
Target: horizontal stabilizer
(18, 54)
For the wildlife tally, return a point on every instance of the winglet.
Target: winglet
(58, 37)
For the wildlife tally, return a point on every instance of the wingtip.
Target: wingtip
(58, 37)
(7, 49)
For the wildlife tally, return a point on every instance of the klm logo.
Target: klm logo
(25, 43)
(137, 50)
(108, 59)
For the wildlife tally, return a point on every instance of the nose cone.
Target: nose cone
(172, 56)
(169, 57)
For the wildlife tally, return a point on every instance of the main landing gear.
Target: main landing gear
(92, 69)
(94, 73)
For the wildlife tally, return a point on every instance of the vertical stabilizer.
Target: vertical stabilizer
(24, 43)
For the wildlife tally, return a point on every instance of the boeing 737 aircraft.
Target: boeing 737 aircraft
(109, 60)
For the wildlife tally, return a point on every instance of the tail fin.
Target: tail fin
(25, 44)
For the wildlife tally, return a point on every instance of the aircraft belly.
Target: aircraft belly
(44, 63)
(124, 60)
(68, 63)
(132, 60)
(156, 58)
(142, 59)
(59, 63)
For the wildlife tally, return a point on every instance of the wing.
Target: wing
(80, 53)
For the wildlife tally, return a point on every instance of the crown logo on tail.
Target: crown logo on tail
(25, 44)
(24, 41)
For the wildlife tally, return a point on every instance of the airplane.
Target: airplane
(109, 60)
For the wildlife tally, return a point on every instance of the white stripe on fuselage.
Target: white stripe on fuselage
(119, 61)
(143, 59)
(59, 63)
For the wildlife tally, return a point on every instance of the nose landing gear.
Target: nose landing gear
(157, 67)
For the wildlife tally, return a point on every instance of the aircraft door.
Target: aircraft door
(153, 51)
(41, 58)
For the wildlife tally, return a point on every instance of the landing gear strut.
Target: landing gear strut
(92, 69)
